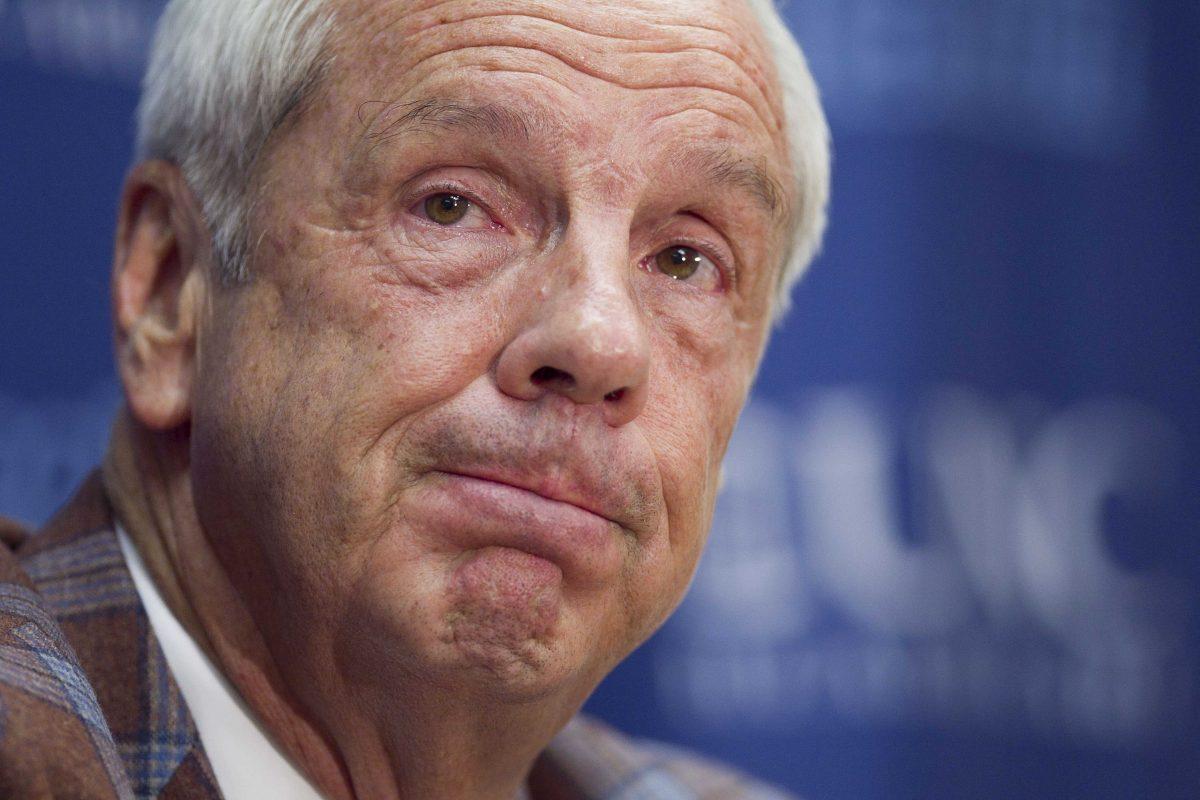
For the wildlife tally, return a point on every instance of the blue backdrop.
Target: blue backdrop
(956, 555)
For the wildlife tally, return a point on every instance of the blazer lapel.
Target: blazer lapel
(76, 564)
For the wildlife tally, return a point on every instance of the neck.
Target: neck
(440, 744)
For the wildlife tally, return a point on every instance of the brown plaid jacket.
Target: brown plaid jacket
(89, 709)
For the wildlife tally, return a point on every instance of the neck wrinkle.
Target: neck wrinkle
(137, 482)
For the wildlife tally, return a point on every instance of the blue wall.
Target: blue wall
(956, 555)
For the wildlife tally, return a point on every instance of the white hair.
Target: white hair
(808, 146)
(224, 74)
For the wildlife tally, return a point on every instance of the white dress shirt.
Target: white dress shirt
(247, 763)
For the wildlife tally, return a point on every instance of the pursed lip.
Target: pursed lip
(475, 510)
(557, 492)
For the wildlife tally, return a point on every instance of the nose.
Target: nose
(587, 342)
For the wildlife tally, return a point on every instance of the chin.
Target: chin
(529, 673)
(496, 625)
(509, 627)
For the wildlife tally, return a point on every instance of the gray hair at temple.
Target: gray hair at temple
(224, 74)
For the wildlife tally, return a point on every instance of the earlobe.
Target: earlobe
(159, 281)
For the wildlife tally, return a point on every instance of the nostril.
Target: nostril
(615, 396)
(543, 376)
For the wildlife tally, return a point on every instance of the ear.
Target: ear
(160, 277)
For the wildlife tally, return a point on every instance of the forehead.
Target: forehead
(703, 59)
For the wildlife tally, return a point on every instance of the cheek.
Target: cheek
(685, 451)
(306, 394)
(690, 412)
(310, 385)
(697, 389)
(378, 344)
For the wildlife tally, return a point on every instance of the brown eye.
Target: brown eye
(447, 209)
(680, 263)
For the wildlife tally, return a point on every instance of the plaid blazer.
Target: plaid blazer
(89, 709)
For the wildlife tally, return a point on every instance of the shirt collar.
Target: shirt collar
(245, 760)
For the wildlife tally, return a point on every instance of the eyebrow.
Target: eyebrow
(720, 165)
(439, 115)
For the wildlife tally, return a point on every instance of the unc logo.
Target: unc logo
(999, 592)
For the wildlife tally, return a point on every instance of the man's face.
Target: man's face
(512, 278)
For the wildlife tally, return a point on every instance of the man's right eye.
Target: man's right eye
(446, 209)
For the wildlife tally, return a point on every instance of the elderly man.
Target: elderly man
(433, 321)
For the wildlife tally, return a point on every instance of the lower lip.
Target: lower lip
(476, 513)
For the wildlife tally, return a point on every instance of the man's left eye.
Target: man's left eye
(685, 263)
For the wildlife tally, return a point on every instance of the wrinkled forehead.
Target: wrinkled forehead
(711, 51)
